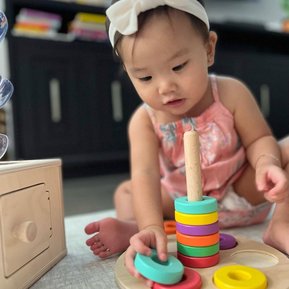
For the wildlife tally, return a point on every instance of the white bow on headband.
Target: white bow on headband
(123, 14)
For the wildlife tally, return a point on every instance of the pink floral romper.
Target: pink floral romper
(222, 157)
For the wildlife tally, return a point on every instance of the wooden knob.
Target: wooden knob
(25, 232)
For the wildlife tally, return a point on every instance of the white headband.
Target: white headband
(123, 14)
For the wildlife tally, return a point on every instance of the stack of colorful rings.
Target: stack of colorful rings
(197, 232)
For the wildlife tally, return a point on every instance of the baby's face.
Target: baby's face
(167, 62)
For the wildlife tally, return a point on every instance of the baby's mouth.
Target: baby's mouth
(175, 102)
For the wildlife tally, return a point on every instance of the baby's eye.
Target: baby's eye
(179, 67)
(146, 78)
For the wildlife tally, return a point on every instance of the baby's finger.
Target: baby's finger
(263, 186)
(129, 262)
(279, 188)
(149, 283)
(140, 246)
(162, 248)
(275, 196)
(261, 182)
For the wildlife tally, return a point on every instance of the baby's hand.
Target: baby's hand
(273, 181)
(142, 242)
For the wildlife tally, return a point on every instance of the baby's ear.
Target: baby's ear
(211, 47)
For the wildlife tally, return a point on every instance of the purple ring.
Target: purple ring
(227, 241)
(201, 230)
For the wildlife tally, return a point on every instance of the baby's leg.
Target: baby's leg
(112, 235)
(277, 233)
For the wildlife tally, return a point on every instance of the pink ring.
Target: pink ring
(197, 230)
(199, 262)
(191, 280)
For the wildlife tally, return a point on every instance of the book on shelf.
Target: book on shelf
(31, 21)
(88, 26)
(98, 3)
(103, 3)
(41, 24)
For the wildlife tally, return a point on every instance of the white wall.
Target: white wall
(256, 11)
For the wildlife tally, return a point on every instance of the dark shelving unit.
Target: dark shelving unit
(72, 99)
(260, 58)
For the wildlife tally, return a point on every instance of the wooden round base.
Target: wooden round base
(276, 271)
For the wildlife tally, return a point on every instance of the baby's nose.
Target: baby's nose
(167, 86)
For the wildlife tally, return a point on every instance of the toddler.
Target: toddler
(166, 48)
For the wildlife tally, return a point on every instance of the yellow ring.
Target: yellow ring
(196, 219)
(239, 277)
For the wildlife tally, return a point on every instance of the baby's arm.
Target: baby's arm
(262, 149)
(146, 189)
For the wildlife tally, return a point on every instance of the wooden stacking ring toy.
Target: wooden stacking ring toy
(248, 252)
(170, 227)
(151, 267)
(227, 241)
(198, 219)
(198, 240)
(191, 280)
(197, 230)
(203, 262)
(198, 251)
(239, 277)
(226, 275)
(204, 206)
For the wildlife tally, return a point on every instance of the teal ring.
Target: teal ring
(206, 205)
(192, 251)
(151, 267)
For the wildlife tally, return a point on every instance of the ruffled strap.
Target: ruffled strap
(215, 90)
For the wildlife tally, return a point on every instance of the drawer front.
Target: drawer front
(25, 225)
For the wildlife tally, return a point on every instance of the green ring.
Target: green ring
(169, 272)
(192, 251)
(206, 205)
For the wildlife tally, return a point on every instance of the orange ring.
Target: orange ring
(198, 241)
(170, 227)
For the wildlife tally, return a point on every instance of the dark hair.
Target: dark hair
(198, 24)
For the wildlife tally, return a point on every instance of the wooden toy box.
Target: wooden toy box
(32, 237)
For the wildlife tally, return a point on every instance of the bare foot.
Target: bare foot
(111, 236)
(277, 235)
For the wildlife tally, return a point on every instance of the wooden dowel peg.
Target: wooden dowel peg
(193, 168)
